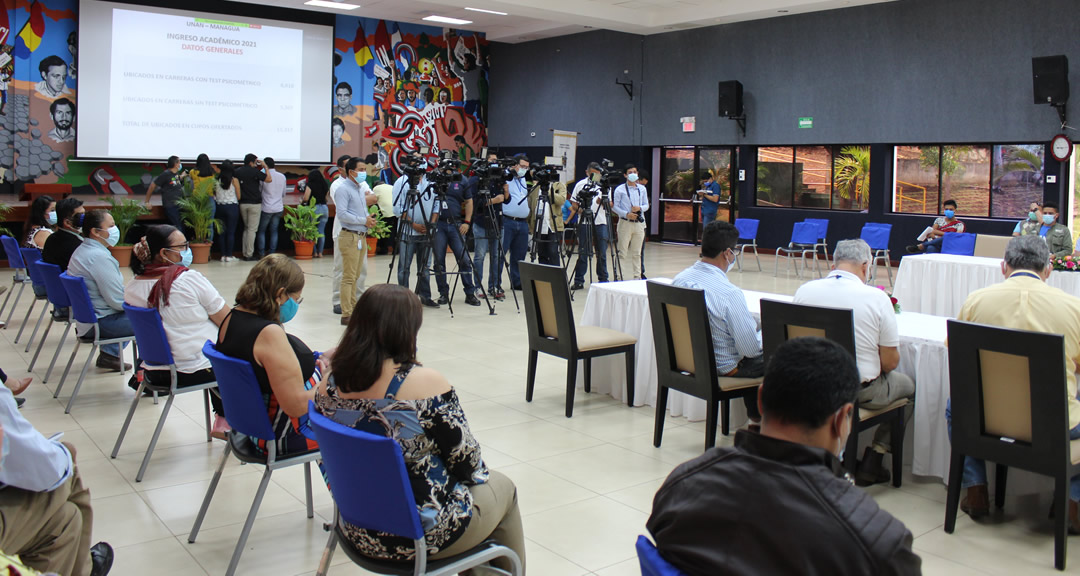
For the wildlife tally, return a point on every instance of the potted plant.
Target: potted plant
(196, 211)
(302, 222)
(377, 232)
(125, 213)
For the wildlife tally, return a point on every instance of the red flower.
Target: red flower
(893, 300)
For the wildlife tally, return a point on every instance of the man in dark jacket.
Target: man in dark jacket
(779, 502)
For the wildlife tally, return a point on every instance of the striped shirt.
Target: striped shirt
(734, 330)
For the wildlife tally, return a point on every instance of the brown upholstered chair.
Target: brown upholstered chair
(552, 330)
(1000, 417)
(782, 321)
(685, 359)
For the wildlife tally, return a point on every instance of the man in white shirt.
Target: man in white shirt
(273, 204)
(335, 283)
(599, 239)
(876, 343)
(630, 201)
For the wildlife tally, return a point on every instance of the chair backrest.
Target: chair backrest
(367, 478)
(804, 233)
(11, 248)
(683, 339)
(547, 309)
(652, 563)
(30, 257)
(150, 335)
(990, 246)
(82, 309)
(55, 290)
(781, 321)
(822, 225)
(960, 243)
(747, 228)
(876, 235)
(1006, 391)
(240, 394)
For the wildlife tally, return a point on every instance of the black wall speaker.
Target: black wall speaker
(1050, 78)
(731, 104)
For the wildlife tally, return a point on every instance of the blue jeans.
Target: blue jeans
(410, 249)
(934, 245)
(324, 214)
(516, 243)
(268, 230)
(446, 233)
(585, 247)
(483, 246)
(172, 215)
(230, 215)
(114, 326)
(706, 218)
(975, 469)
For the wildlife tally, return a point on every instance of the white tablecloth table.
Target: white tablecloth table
(938, 284)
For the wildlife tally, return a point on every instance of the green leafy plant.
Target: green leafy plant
(852, 174)
(5, 210)
(302, 221)
(196, 208)
(381, 229)
(125, 213)
(1017, 159)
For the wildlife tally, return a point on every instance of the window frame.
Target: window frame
(834, 152)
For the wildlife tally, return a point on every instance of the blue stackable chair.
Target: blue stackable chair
(804, 235)
(960, 243)
(877, 236)
(652, 563)
(30, 257)
(58, 297)
(747, 228)
(21, 278)
(154, 350)
(82, 310)
(243, 402)
(371, 490)
(822, 240)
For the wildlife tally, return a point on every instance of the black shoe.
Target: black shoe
(19, 402)
(870, 470)
(913, 249)
(429, 303)
(101, 555)
(577, 286)
(443, 300)
(337, 309)
(643, 277)
(472, 300)
(111, 363)
(516, 287)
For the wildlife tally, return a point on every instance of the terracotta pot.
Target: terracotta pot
(122, 255)
(371, 244)
(303, 249)
(200, 253)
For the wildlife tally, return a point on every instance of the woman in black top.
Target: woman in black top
(317, 188)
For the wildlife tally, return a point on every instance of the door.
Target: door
(678, 218)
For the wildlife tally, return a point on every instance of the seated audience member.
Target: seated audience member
(93, 262)
(876, 343)
(45, 513)
(779, 501)
(17, 387)
(60, 245)
(942, 226)
(736, 343)
(1025, 302)
(377, 386)
(284, 366)
(1033, 223)
(42, 221)
(1057, 235)
(191, 310)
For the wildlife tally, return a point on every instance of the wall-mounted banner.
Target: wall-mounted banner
(564, 145)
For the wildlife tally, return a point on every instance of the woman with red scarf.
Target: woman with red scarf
(191, 310)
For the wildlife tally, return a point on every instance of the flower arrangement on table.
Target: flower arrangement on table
(1066, 264)
(895, 302)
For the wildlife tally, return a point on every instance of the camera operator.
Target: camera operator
(485, 233)
(710, 199)
(451, 229)
(550, 226)
(413, 244)
(599, 239)
(516, 219)
(629, 202)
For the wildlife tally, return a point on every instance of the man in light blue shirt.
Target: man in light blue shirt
(736, 343)
(629, 202)
(414, 244)
(352, 199)
(516, 219)
(93, 262)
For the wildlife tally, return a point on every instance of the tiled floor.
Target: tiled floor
(585, 484)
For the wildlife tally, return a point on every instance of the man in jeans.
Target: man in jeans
(599, 238)
(250, 176)
(352, 211)
(516, 219)
(450, 230)
(487, 236)
(272, 191)
(170, 182)
(414, 241)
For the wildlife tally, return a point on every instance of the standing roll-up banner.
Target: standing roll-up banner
(564, 145)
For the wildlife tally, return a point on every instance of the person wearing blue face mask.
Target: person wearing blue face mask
(942, 226)
(191, 310)
(516, 218)
(93, 262)
(1057, 235)
(42, 221)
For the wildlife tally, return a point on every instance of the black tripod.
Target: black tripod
(587, 232)
(494, 228)
(543, 213)
(423, 240)
(455, 228)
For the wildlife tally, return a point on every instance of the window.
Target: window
(824, 177)
(997, 181)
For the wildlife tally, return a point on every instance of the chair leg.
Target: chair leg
(661, 413)
(15, 304)
(1061, 519)
(127, 421)
(776, 264)
(756, 257)
(851, 450)
(571, 385)
(56, 354)
(897, 447)
(9, 293)
(952, 498)
(82, 376)
(206, 407)
(631, 385)
(588, 374)
(63, 377)
(41, 344)
(710, 423)
(307, 485)
(530, 380)
(209, 494)
(888, 267)
(154, 438)
(1001, 475)
(26, 320)
(725, 417)
(328, 552)
(41, 317)
(249, 523)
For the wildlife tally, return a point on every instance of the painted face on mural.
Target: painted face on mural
(338, 131)
(343, 97)
(56, 76)
(63, 116)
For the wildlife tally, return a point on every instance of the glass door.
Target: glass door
(678, 218)
(715, 163)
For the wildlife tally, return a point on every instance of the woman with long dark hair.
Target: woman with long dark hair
(375, 384)
(42, 221)
(225, 190)
(317, 188)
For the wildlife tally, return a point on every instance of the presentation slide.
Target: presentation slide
(157, 82)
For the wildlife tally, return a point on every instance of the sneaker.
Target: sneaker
(19, 401)
(221, 428)
(577, 286)
(913, 249)
(111, 363)
(472, 300)
(480, 294)
(429, 303)
(443, 300)
(337, 309)
(498, 294)
(101, 558)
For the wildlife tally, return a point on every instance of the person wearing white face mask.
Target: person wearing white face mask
(629, 202)
(93, 262)
(736, 342)
(352, 200)
(516, 219)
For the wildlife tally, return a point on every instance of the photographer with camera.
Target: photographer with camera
(516, 219)
(490, 196)
(710, 199)
(451, 229)
(629, 202)
(415, 221)
(587, 191)
(545, 215)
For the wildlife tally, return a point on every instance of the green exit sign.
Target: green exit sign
(807, 122)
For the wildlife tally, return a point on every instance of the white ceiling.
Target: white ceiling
(531, 20)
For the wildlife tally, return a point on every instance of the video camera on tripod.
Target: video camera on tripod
(609, 177)
(414, 165)
(548, 172)
(446, 170)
